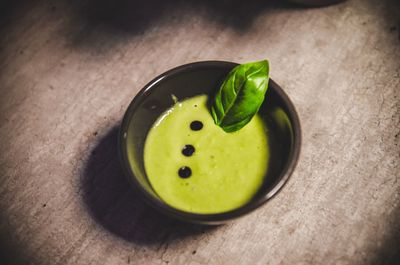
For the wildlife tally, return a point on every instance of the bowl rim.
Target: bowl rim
(215, 218)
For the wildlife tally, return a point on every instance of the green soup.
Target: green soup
(193, 165)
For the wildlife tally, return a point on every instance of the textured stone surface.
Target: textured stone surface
(68, 70)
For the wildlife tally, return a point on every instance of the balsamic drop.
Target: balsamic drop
(196, 125)
(185, 172)
(188, 150)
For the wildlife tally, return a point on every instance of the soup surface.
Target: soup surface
(193, 165)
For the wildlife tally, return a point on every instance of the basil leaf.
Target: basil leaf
(240, 95)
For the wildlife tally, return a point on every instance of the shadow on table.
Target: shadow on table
(113, 204)
(10, 251)
(389, 252)
(133, 17)
(9, 10)
(136, 15)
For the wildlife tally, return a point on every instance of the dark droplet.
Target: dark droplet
(188, 150)
(196, 125)
(185, 172)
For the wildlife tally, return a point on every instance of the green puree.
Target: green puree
(227, 168)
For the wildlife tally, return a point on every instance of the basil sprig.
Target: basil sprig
(240, 95)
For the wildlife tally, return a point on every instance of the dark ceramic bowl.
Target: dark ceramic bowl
(204, 78)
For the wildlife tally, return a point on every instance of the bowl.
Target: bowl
(192, 79)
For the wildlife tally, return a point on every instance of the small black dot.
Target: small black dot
(185, 172)
(188, 150)
(196, 125)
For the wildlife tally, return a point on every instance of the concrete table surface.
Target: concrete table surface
(68, 70)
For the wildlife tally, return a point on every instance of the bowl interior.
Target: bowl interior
(204, 78)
